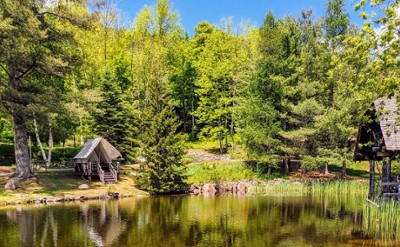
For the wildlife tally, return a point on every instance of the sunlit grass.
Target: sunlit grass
(382, 222)
(221, 171)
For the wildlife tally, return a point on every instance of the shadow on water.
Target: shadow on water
(188, 221)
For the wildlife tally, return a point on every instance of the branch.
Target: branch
(60, 17)
(26, 71)
(5, 70)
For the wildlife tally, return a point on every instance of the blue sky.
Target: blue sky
(191, 12)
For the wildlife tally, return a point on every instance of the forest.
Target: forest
(296, 86)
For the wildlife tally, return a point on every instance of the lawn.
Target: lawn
(63, 184)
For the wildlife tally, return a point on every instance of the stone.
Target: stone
(193, 188)
(196, 191)
(12, 184)
(241, 187)
(83, 187)
(209, 189)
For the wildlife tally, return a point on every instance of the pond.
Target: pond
(188, 221)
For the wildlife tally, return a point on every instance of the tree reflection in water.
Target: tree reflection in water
(188, 221)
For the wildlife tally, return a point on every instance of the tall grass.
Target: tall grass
(335, 190)
(382, 222)
(340, 189)
(279, 189)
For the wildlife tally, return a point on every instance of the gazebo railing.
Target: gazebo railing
(100, 172)
(114, 171)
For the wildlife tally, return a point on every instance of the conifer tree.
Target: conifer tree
(162, 146)
(115, 119)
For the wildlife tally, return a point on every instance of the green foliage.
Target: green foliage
(115, 119)
(162, 145)
(162, 149)
(211, 172)
(6, 131)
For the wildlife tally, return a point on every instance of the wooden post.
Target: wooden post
(371, 193)
(90, 171)
(385, 175)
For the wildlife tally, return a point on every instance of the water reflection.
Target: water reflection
(188, 221)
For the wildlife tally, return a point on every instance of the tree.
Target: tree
(162, 146)
(36, 42)
(161, 143)
(336, 22)
(115, 119)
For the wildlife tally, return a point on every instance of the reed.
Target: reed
(279, 189)
(382, 222)
(335, 190)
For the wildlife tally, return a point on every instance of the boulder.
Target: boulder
(12, 184)
(193, 188)
(241, 187)
(83, 187)
(196, 191)
(209, 189)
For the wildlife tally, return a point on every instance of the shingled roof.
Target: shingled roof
(388, 116)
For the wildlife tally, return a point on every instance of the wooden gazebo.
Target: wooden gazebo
(378, 139)
(98, 158)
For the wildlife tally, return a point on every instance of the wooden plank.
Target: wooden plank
(391, 194)
(390, 183)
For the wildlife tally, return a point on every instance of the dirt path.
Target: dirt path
(198, 156)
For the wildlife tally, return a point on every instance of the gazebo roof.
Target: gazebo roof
(106, 148)
(388, 116)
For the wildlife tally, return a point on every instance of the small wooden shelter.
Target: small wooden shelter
(378, 139)
(98, 158)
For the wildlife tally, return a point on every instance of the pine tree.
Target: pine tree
(115, 119)
(162, 146)
(37, 45)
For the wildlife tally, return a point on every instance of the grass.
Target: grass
(338, 189)
(356, 169)
(382, 222)
(62, 184)
(224, 171)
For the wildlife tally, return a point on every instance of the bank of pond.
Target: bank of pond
(280, 214)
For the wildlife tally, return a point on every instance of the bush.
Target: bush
(59, 154)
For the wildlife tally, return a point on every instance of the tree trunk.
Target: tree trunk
(38, 138)
(23, 169)
(344, 168)
(326, 170)
(81, 127)
(48, 161)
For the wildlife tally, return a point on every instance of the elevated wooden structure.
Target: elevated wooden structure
(378, 139)
(98, 158)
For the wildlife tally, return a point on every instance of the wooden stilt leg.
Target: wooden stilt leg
(371, 193)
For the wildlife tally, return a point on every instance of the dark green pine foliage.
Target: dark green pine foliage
(115, 119)
(162, 146)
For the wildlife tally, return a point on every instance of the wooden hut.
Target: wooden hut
(378, 139)
(98, 158)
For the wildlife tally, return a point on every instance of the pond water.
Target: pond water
(188, 221)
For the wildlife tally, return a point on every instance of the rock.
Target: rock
(83, 187)
(241, 187)
(221, 188)
(12, 184)
(193, 188)
(209, 189)
(196, 191)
